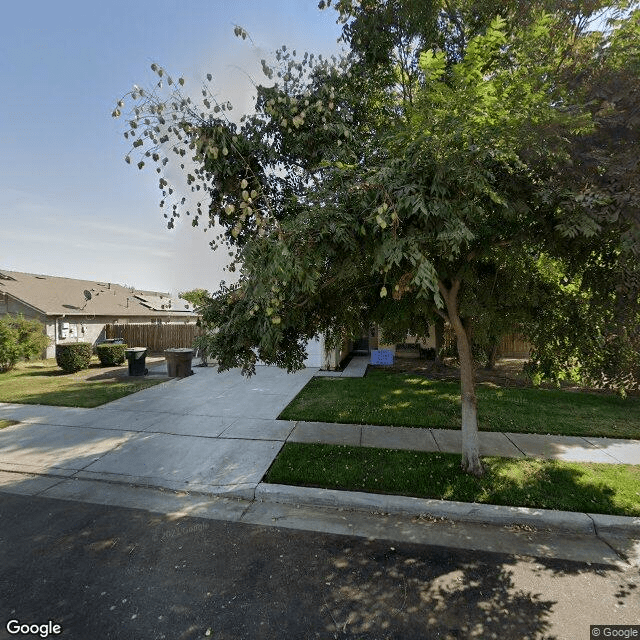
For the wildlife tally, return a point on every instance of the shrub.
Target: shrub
(20, 338)
(74, 356)
(111, 355)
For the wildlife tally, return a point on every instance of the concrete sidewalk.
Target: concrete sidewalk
(508, 445)
(211, 432)
(217, 434)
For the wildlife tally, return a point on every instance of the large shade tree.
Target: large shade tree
(421, 175)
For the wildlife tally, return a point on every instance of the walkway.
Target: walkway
(508, 445)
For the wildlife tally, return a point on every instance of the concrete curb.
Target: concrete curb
(561, 521)
(616, 525)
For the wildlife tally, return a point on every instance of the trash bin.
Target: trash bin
(136, 357)
(179, 362)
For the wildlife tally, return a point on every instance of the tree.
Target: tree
(197, 297)
(200, 299)
(20, 339)
(360, 191)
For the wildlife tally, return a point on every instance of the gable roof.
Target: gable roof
(55, 296)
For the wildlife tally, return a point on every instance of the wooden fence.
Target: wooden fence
(514, 346)
(511, 346)
(156, 337)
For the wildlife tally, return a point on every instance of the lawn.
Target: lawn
(400, 399)
(6, 423)
(547, 484)
(43, 382)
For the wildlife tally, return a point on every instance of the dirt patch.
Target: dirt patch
(507, 371)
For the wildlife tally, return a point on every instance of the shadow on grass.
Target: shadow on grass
(38, 372)
(396, 399)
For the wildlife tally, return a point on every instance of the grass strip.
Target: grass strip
(7, 423)
(397, 399)
(44, 383)
(547, 484)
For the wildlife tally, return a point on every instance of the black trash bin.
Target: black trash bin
(136, 357)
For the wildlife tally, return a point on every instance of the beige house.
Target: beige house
(78, 310)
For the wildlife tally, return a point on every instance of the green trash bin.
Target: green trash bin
(136, 358)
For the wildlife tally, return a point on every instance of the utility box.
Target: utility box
(63, 329)
(136, 357)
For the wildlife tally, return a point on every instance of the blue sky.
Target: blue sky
(69, 205)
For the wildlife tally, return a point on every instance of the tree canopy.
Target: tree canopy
(20, 339)
(435, 170)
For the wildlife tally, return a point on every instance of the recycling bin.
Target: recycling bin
(136, 358)
(179, 362)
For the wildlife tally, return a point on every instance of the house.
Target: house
(78, 310)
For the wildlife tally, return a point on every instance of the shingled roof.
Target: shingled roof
(55, 296)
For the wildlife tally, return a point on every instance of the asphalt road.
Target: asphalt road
(110, 572)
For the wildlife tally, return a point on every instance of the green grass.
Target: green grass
(387, 398)
(547, 484)
(43, 382)
(6, 423)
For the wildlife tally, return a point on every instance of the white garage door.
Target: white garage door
(315, 351)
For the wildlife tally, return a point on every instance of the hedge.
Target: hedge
(111, 355)
(74, 356)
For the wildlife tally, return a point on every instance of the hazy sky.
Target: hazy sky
(69, 205)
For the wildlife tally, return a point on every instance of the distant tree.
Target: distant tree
(397, 192)
(197, 297)
(20, 339)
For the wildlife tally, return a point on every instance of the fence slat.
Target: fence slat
(155, 337)
(511, 345)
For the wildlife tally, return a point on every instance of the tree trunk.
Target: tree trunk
(470, 442)
(439, 336)
(492, 355)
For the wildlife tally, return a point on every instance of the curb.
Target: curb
(561, 521)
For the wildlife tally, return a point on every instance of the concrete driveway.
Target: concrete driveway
(210, 432)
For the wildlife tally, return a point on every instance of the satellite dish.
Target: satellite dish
(87, 297)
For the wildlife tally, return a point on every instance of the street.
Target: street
(112, 572)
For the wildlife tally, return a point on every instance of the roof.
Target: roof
(55, 296)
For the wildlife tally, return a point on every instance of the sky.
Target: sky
(69, 205)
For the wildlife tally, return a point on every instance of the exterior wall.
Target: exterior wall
(333, 357)
(89, 330)
(427, 343)
(315, 353)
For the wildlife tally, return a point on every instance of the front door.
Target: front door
(361, 345)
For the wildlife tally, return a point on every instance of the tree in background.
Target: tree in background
(20, 339)
(200, 299)
(400, 183)
(197, 297)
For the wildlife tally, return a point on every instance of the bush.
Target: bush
(20, 338)
(74, 356)
(111, 355)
